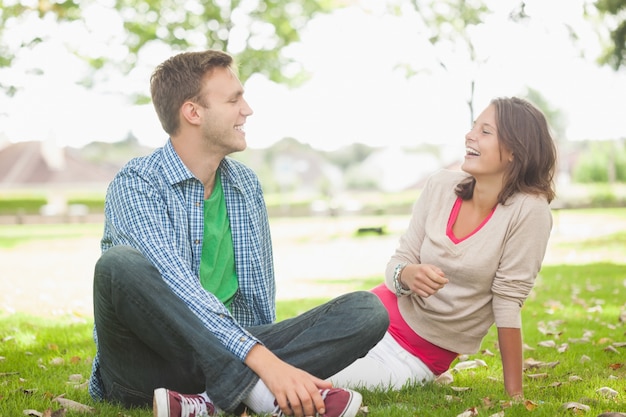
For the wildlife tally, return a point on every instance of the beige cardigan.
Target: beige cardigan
(490, 274)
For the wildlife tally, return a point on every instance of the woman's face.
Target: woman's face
(483, 154)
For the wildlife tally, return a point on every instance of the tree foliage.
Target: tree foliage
(612, 14)
(255, 32)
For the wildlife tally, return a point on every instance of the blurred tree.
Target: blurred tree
(254, 31)
(449, 25)
(610, 15)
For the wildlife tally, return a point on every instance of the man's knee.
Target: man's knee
(120, 256)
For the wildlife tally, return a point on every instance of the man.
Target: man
(184, 292)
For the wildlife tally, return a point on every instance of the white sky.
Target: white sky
(355, 94)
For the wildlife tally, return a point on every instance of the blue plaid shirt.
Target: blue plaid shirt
(155, 204)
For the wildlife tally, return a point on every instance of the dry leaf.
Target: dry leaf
(610, 349)
(547, 343)
(444, 379)
(576, 406)
(584, 358)
(75, 378)
(460, 389)
(531, 363)
(451, 398)
(616, 366)
(57, 361)
(575, 378)
(607, 392)
(616, 344)
(487, 352)
(530, 406)
(537, 376)
(469, 364)
(469, 412)
(73, 405)
(563, 348)
(32, 413)
(500, 414)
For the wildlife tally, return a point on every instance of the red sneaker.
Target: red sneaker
(339, 402)
(168, 403)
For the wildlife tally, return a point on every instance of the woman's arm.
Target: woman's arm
(510, 342)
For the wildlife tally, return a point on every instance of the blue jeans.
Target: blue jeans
(148, 338)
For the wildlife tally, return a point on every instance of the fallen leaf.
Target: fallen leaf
(537, 376)
(57, 361)
(460, 389)
(499, 414)
(575, 378)
(547, 343)
(610, 349)
(469, 412)
(451, 398)
(75, 378)
(469, 364)
(32, 413)
(530, 406)
(607, 392)
(576, 406)
(73, 405)
(445, 378)
(615, 366)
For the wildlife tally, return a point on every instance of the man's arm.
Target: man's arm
(295, 390)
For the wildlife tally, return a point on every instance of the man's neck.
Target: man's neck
(202, 163)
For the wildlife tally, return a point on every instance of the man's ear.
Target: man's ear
(189, 113)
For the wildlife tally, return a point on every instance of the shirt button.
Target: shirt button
(197, 204)
(197, 241)
(243, 339)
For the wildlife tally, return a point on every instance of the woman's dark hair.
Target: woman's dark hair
(179, 79)
(523, 130)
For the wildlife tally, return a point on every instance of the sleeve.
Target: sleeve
(522, 255)
(410, 243)
(137, 215)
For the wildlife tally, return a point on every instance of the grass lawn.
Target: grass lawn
(574, 332)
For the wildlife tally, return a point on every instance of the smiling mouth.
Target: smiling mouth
(240, 128)
(471, 151)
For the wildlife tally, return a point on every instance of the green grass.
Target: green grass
(575, 306)
(578, 306)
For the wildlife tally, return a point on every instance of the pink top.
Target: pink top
(454, 214)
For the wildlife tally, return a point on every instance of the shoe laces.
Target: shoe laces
(193, 407)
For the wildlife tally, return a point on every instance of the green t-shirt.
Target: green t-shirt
(217, 265)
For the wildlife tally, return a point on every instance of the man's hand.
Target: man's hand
(297, 392)
(423, 279)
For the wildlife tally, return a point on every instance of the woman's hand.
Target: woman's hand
(423, 279)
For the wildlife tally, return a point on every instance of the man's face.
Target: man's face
(225, 113)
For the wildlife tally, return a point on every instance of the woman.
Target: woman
(470, 256)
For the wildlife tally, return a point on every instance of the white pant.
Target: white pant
(386, 365)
